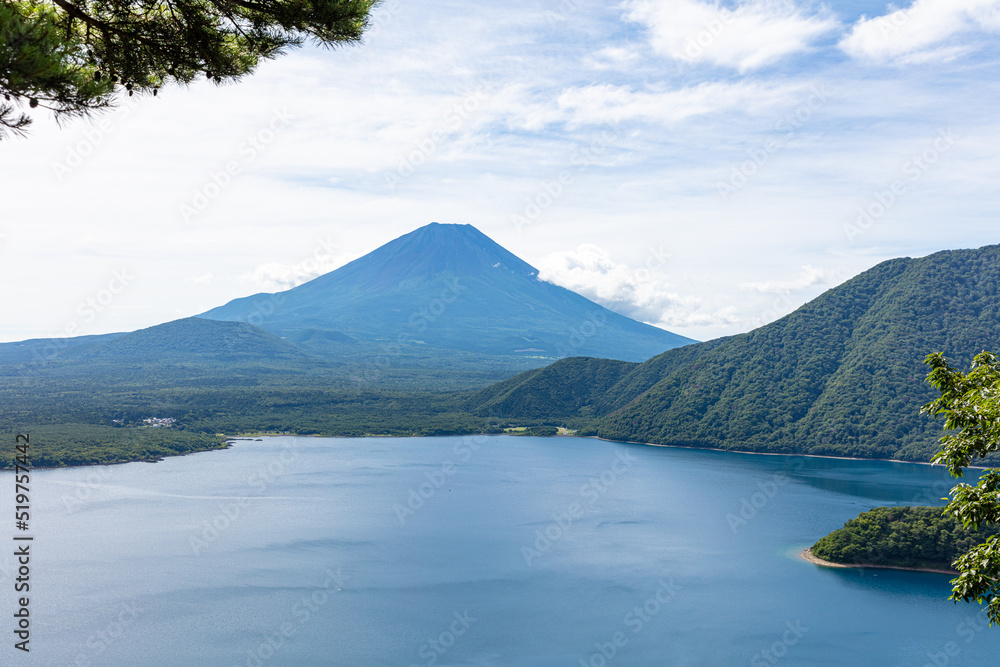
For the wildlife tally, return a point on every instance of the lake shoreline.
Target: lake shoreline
(325, 514)
(229, 440)
(741, 451)
(808, 555)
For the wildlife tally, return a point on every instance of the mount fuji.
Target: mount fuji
(446, 287)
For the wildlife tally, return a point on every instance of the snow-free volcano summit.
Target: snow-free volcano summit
(450, 287)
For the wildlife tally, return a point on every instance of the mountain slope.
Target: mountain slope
(579, 386)
(39, 350)
(842, 375)
(568, 388)
(449, 287)
(193, 338)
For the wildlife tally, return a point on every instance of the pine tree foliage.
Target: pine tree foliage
(73, 56)
(42, 66)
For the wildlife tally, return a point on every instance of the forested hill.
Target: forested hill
(842, 375)
(901, 537)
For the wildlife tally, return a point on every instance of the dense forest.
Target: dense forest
(901, 537)
(85, 444)
(842, 375)
(101, 418)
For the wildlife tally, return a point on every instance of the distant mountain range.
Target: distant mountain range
(371, 348)
(448, 287)
(443, 312)
(441, 300)
(842, 375)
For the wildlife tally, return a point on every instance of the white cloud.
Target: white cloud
(753, 34)
(919, 33)
(273, 276)
(810, 276)
(205, 279)
(358, 112)
(642, 294)
(613, 57)
(606, 103)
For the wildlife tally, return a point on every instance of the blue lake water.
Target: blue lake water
(474, 551)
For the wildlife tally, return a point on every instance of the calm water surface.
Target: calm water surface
(474, 551)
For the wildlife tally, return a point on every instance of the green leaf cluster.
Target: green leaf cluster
(44, 63)
(970, 404)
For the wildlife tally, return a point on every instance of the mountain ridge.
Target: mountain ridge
(192, 337)
(841, 375)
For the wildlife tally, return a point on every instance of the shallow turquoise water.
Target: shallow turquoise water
(475, 551)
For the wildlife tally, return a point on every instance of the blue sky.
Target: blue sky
(706, 167)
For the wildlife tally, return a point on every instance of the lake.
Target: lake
(478, 550)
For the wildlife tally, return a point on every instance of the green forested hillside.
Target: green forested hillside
(842, 375)
(58, 446)
(580, 389)
(191, 338)
(901, 537)
(97, 416)
(573, 387)
(86, 404)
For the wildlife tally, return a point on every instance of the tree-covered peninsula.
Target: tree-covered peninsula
(903, 537)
